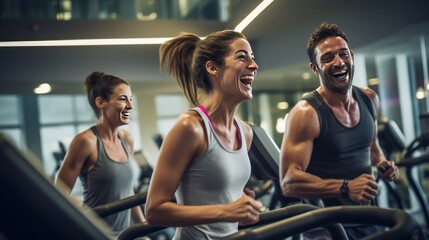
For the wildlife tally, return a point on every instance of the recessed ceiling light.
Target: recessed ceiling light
(282, 105)
(306, 75)
(373, 81)
(42, 88)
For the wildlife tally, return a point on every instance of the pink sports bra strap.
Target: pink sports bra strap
(207, 114)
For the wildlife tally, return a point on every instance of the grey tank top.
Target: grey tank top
(218, 177)
(109, 181)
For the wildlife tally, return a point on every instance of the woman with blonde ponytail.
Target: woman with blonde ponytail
(198, 185)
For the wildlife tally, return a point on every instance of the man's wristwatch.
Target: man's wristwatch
(344, 190)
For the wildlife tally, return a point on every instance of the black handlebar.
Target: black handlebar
(412, 161)
(120, 205)
(401, 225)
(138, 230)
(336, 229)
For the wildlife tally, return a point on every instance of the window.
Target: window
(10, 119)
(168, 108)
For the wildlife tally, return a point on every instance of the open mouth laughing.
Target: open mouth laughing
(247, 80)
(340, 73)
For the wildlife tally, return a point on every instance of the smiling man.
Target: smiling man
(330, 139)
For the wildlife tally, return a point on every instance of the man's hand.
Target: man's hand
(388, 170)
(363, 189)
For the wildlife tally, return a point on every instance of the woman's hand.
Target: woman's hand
(244, 210)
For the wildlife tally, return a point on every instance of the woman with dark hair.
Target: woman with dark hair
(203, 161)
(101, 155)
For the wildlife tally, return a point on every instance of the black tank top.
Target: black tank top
(341, 152)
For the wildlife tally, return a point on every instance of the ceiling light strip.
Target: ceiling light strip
(84, 42)
(247, 20)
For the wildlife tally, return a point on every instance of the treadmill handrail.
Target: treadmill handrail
(411, 161)
(401, 224)
(120, 205)
(336, 229)
(138, 230)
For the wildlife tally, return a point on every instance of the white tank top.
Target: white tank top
(218, 177)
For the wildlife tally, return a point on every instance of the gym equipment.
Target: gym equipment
(390, 137)
(391, 140)
(158, 139)
(336, 229)
(59, 156)
(409, 161)
(146, 170)
(295, 219)
(120, 205)
(31, 207)
(264, 157)
(401, 224)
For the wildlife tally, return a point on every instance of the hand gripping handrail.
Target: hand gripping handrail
(336, 229)
(401, 225)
